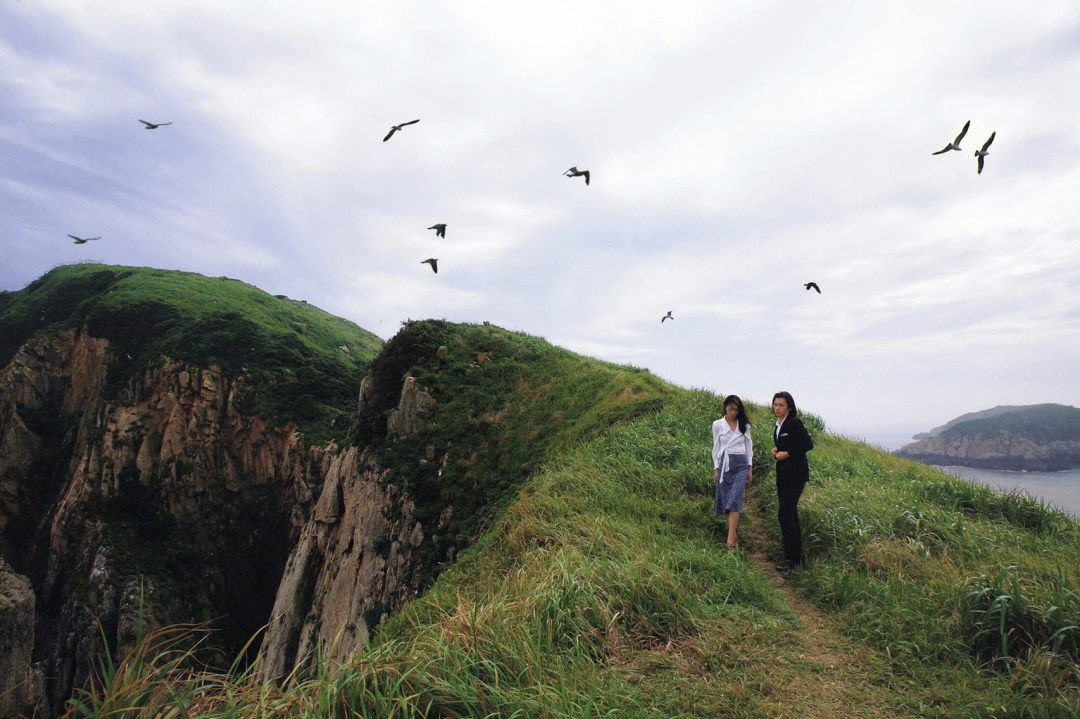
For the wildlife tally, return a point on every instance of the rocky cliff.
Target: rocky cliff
(163, 442)
(168, 496)
(171, 501)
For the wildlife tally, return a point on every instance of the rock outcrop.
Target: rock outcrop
(20, 681)
(413, 409)
(1002, 452)
(350, 568)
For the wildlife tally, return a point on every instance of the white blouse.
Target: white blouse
(728, 441)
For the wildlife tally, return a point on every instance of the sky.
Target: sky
(737, 150)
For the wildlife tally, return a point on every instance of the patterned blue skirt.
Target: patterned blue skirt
(729, 492)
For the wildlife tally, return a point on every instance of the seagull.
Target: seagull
(574, 172)
(983, 153)
(440, 229)
(812, 286)
(434, 264)
(666, 317)
(395, 128)
(955, 144)
(152, 126)
(82, 240)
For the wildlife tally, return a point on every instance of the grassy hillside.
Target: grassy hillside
(506, 403)
(288, 348)
(600, 587)
(1040, 423)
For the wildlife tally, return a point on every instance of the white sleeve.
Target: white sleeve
(716, 444)
(749, 447)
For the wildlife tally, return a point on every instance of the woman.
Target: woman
(792, 471)
(733, 456)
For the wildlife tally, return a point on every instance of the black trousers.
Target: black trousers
(788, 492)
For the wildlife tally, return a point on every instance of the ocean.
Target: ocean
(1060, 489)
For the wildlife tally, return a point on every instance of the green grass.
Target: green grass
(288, 349)
(493, 425)
(941, 573)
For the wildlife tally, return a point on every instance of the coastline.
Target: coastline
(1060, 487)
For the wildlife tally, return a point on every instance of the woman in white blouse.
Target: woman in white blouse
(733, 456)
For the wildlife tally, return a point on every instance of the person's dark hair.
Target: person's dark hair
(741, 417)
(786, 396)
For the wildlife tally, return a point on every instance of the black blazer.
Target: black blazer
(795, 440)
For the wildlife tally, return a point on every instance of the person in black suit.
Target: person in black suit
(792, 472)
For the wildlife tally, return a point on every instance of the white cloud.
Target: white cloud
(737, 151)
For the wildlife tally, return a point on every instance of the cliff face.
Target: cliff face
(353, 562)
(1002, 452)
(167, 495)
(169, 499)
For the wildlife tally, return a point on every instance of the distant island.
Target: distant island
(1038, 437)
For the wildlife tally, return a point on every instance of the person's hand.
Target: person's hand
(782, 455)
(774, 450)
(749, 476)
(716, 477)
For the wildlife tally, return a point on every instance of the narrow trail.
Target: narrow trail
(819, 671)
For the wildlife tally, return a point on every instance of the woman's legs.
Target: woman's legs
(732, 523)
(788, 493)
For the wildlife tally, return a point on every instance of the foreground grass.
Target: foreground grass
(602, 591)
(938, 572)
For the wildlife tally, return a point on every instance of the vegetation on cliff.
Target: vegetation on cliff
(1040, 423)
(600, 587)
(289, 350)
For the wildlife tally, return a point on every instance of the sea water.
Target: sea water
(1060, 489)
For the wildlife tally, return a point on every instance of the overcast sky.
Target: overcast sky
(737, 150)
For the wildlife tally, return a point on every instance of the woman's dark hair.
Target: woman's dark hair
(786, 396)
(741, 417)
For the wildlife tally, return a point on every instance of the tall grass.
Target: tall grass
(939, 572)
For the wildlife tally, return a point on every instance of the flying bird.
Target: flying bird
(440, 229)
(395, 128)
(812, 286)
(666, 317)
(152, 126)
(574, 172)
(955, 144)
(83, 240)
(434, 264)
(983, 153)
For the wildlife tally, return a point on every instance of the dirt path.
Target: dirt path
(820, 672)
